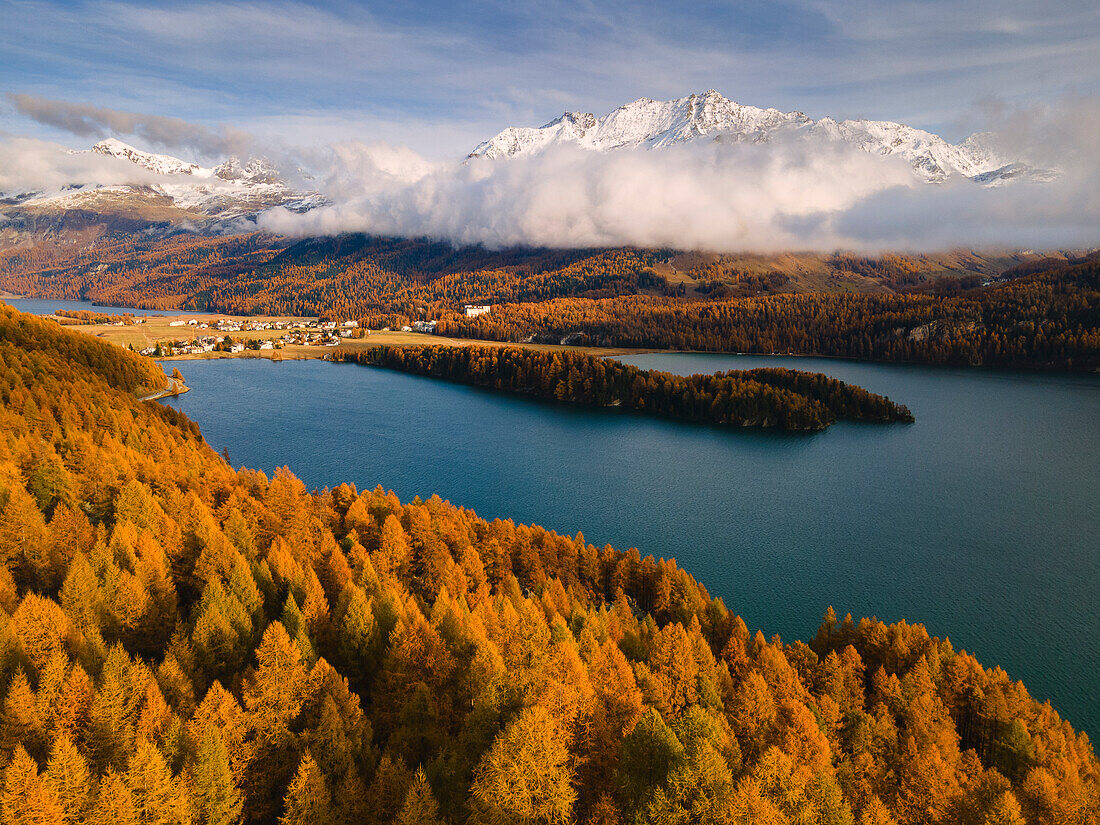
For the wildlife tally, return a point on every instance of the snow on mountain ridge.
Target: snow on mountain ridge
(160, 164)
(652, 124)
(229, 190)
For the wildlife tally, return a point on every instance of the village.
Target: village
(210, 335)
(202, 335)
(300, 332)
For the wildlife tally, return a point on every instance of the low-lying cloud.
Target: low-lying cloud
(714, 196)
(761, 198)
(782, 195)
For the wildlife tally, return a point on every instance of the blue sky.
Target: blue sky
(441, 76)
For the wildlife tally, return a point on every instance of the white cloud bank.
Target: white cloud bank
(714, 197)
(766, 197)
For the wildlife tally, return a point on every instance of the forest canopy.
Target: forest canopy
(1046, 319)
(181, 643)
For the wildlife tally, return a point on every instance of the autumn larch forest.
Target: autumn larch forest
(960, 308)
(788, 399)
(182, 642)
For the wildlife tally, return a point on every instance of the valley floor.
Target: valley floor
(159, 329)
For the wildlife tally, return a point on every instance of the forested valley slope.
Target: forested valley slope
(185, 643)
(1002, 310)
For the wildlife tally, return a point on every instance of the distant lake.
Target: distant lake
(981, 520)
(47, 306)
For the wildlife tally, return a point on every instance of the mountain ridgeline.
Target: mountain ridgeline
(186, 644)
(782, 398)
(712, 118)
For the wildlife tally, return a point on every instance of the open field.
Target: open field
(157, 328)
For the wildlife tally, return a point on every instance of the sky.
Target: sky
(439, 77)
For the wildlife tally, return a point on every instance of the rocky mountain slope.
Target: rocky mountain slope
(710, 117)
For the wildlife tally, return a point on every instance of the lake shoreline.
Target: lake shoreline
(321, 354)
(156, 327)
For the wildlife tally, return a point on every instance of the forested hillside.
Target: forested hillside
(394, 280)
(781, 398)
(1033, 312)
(185, 643)
(1047, 319)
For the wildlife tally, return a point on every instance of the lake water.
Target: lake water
(981, 520)
(47, 306)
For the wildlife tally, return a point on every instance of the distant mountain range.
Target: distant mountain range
(164, 191)
(176, 191)
(710, 117)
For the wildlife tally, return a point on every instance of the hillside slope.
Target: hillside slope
(1037, 320)
(358, 275)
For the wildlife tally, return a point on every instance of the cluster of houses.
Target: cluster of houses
(197, 346)
(470, 310)
(302, 332)
(228, 325)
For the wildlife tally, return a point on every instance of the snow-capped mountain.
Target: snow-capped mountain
(164, 187)
(160, 164)
(655, 124)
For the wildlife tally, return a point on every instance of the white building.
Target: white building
(474, 310)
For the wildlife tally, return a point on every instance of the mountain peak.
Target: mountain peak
(710, 116)
(161, 164)
(112, 146)
(257, 170)
(226, 192)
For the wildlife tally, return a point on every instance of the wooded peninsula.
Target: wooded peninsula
(787, 399)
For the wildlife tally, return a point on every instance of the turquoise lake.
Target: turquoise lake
(981, 520)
